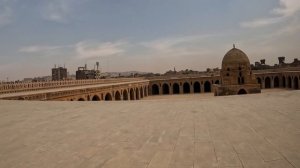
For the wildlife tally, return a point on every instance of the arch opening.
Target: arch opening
(259, 82)
(197, 87)
(242, 92)
(145, 91)
(176, 88)
(207, 86)
(296, 83)
(267, 82)
(108, 97)
(125, 95)
(276, 82)
(166, 89)
(186, 88)
(131, 94)
(96, 98)
(117, 96)
(81, 99)
(290, 82)
(141, 93)
(283, 82)
(155, 89)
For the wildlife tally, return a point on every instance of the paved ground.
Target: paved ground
(184, 132)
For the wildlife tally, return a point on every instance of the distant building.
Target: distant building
(59, 73)
(281, 64)
(84, 73)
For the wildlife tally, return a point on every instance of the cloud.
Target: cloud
(184, 45)
(287, 9)
(88, 49)
(5, 13)
(39, 48)
(60, 10)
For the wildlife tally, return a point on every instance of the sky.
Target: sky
(142, 35)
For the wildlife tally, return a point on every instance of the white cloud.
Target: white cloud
(176, 44)
(287, 9)
(88, 49)
(39, 48)
(59, 10)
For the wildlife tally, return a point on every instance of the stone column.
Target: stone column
(272, 82)
(171, 89)
(191, 88)
(202, 87)
(160, 90)
(180, 88)
(292, 83)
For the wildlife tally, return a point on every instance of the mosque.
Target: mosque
(236, 75)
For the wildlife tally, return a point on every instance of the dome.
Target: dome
(235, 56)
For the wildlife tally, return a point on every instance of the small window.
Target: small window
(240, 68)
(227, 74)
(228, 69)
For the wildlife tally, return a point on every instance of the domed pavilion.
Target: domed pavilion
(236, 75)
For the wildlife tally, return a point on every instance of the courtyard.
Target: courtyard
(183, 131)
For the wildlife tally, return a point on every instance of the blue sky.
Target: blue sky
(143, 35)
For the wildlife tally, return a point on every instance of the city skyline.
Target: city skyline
(149, 36)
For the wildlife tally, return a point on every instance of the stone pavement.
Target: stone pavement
(247, 131)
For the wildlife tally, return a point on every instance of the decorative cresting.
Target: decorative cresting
(236, 75)
(236, 69)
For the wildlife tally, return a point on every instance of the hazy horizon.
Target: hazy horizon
(142, 35)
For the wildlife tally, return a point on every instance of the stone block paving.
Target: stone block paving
(250, 131)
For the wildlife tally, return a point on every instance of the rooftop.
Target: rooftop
(200, 130)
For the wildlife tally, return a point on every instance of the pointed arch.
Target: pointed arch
(96, 98)
(267, 82)
(207, 86)
(289, 82)
(296, 83)
(81, 99)
(117, 96)
(125, 95)
(166, 89)
(141, 93)
(276, 82)
(132, 94)
(108, 97)
(186, 88)
(242, 91)
(197, 87)
(155, 89)
(176, 89)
